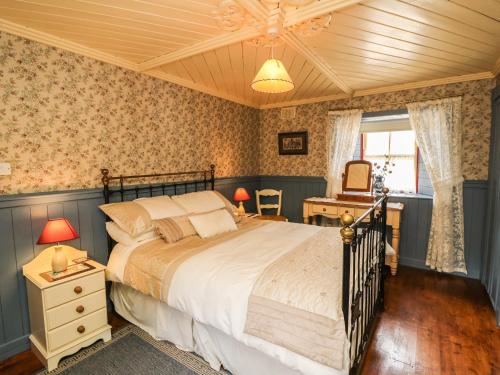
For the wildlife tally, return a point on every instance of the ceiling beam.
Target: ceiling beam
(201, 47)
(256, 9)
(318, 62)
(316, 9)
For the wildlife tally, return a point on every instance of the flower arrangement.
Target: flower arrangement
(385, 169)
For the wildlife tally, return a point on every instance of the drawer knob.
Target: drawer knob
(78, 289)
(80, 329)
(80, 309)
(324, 209)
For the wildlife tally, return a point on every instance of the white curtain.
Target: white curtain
(341, 136)
(438, 130)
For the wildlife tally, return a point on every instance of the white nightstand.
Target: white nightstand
(67, 314)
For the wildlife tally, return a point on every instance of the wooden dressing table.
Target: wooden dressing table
(333, 208)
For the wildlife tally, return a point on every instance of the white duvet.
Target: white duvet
(213, 287)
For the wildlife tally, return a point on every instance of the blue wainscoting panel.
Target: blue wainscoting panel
(22, 218)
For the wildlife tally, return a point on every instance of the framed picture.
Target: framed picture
(292, 143)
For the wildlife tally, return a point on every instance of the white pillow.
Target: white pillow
(161, 207)
(199, 202)
(212, 223)
(120, 236)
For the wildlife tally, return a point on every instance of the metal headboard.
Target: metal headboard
(200, 180)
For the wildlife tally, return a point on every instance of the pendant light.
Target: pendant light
(272, 77)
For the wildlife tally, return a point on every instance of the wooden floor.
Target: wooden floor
(433, 324)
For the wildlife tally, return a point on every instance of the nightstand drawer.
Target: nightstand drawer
(77, 329)
(78, 308)
(71, 290)
(324, 209)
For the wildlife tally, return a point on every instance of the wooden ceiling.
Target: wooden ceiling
(370, 46)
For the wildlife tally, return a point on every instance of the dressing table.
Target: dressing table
(356, 197)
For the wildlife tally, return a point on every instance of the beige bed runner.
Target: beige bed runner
(296, 302)
(151, 266)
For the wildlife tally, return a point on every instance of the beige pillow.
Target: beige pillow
(129, 216)
(229, 206)
(160, 207)
(213, 223)
(173, 229)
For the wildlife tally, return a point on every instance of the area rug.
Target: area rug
(133, 351)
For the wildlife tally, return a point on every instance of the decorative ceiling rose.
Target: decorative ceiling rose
(265, 41)
(312, 26)
(272, 78)
(230, 16)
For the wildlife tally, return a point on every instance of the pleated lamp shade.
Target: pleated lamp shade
(272, 78)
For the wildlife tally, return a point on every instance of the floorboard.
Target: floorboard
(432, 324)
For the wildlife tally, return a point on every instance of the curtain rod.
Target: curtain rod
(395, 103)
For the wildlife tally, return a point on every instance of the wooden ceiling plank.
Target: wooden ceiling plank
(52, 40)
(224, 61)
(204, 71)
(315, 9)
(236, 56)
(172, 10)
(460, 14)
(311, 84)
(374, 28)
(425, 17)
(206, 45)
(193, 71)
(340, 40)
(249, 68)
(488, 8)
(53, 27)
(352, 56)
(81, 17)
(394, 59)
(316, 60)
(304, 73)
(96, 9)
(158, 73)
(409, 25)
(215, 69)
(354, 35)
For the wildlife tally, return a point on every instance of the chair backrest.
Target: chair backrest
(268, 193)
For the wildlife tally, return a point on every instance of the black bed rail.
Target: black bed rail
(363, 275)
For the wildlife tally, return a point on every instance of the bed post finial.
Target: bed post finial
(105, 176)
(347, 232)
(385, 191)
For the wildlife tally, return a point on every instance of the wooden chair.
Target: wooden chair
(268, 193)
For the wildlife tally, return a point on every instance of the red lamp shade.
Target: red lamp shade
(241, 195)
(57, 230)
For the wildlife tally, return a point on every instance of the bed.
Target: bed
(265, 297)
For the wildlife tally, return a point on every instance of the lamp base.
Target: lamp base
(59, 260)
(241, 209)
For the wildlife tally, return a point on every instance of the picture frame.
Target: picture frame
(292, 143)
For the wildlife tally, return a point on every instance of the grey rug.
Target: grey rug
(133, 351)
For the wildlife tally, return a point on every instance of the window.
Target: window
(394, 147)
(390, 134)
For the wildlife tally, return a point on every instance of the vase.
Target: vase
(378, 185)
(59, 260)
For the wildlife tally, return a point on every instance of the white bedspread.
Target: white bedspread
(213, 287)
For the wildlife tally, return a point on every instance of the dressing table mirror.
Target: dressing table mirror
(357, 182)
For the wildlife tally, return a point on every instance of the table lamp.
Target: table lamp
(241, 195)
(55, 231)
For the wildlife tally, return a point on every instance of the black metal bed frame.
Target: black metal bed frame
(361, 301)
(364, 253)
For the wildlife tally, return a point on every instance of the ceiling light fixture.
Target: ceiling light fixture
(272, 77)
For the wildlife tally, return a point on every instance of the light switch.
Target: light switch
(5, 169)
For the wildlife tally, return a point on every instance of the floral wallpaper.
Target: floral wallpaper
(65, 116)
(476, 122)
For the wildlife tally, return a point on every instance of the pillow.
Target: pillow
(124, 238)
(230, 207)
(173, 229)
(199, 202)
(129, 216)
(212, 223)
(160, 207)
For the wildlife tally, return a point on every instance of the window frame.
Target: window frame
(415, 157)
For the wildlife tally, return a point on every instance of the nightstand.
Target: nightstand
(66, 314)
